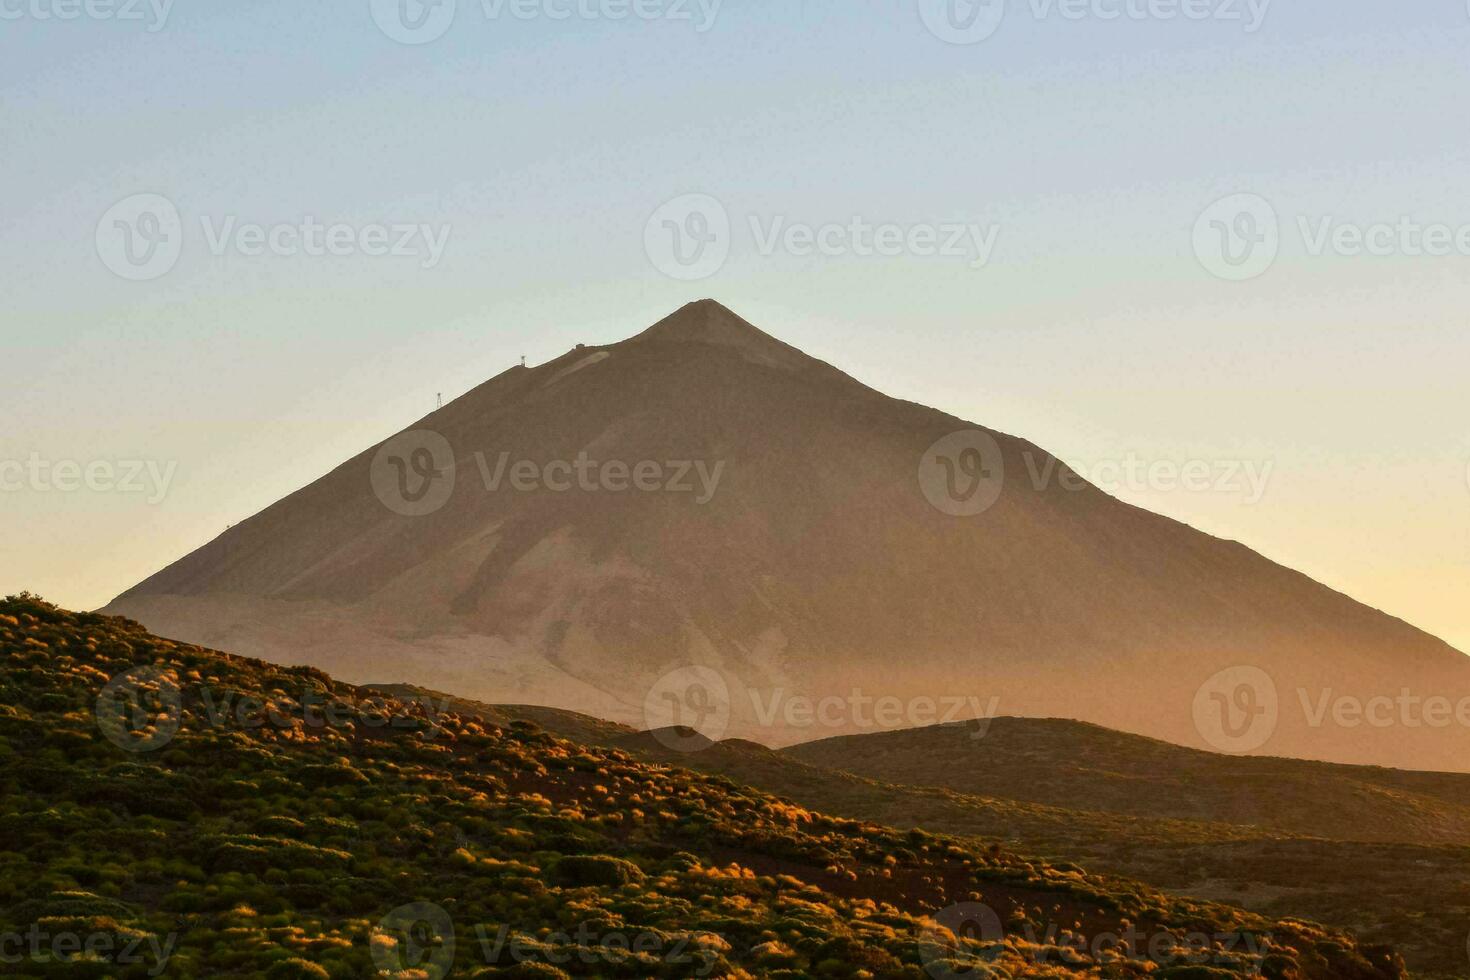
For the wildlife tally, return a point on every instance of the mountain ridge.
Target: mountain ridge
(825, 559)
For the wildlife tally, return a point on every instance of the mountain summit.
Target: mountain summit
(710, 322)
(706, 520)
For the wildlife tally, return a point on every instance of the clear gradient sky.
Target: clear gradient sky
(1092, 145)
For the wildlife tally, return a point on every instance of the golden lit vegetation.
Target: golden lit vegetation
(261, 821)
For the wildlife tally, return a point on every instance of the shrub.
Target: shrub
(599, 870)
(522, 971)
(296, 969)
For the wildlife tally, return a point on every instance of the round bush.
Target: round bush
(580, 870)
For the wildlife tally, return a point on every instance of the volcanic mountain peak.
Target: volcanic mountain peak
(835, 558)
(707, 321)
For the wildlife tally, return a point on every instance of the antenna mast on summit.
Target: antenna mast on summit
(441, 401)
(523, 360)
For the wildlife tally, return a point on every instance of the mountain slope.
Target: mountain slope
(194, 814)
(1072, 764)
(1315, 862)
(802, 561)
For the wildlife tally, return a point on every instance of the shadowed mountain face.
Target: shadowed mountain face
(704, 494)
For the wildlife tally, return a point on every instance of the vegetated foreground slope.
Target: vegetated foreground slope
(1378, 851)
(246, 820)
(1362, 864)
(781, 534)
(1067, 765)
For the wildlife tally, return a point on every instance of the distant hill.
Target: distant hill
(1404, 851)
(704, 494)
(186, 813)
(1081, 766)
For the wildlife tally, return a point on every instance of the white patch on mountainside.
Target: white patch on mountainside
(587, 361)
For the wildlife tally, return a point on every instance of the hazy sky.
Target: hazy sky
(1084, 141)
